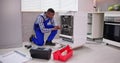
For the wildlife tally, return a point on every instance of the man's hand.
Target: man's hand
(56, 28)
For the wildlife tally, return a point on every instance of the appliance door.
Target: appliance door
(112, 31)
(67, 25)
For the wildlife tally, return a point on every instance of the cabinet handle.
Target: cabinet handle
(112, 24)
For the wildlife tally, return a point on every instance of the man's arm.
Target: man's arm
(54, 23)
(41, 25)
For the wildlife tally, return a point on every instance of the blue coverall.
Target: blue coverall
(39, 39)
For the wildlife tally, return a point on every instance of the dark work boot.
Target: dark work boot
(50, 43)
(30, 39)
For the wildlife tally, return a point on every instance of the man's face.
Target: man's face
(50, 15)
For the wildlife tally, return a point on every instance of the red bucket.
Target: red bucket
(58, 55)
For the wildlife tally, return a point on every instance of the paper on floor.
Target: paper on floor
(13, 57)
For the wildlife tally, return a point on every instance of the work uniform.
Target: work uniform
(43, 25)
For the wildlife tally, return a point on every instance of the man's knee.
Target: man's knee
(40, 43)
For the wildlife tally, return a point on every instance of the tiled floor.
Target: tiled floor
(89, 53)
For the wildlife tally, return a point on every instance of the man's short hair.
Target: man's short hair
(51, 10)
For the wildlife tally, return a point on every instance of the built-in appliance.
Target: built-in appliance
(73, 29)
(66, 27)
(112, 30)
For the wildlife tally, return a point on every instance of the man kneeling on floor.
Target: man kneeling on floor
(45, 24)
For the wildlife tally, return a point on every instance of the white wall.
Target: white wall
(0, 10)
(10, 24)
(28, 19)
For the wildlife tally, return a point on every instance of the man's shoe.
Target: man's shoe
(50, 43)
(30, 39)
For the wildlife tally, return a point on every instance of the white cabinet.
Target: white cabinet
(95, 25)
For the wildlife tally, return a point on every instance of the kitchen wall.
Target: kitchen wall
(0, 10)
(10, 24)
(28, 19)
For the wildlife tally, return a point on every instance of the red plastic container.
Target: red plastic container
(57, 55)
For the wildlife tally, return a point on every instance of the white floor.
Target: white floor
(89, 53)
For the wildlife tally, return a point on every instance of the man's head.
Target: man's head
(50, 13)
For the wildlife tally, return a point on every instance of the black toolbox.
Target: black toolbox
(41, 53)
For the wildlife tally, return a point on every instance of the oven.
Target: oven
(112, 28)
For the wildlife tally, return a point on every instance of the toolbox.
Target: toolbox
(41, 53)
(57, 55)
